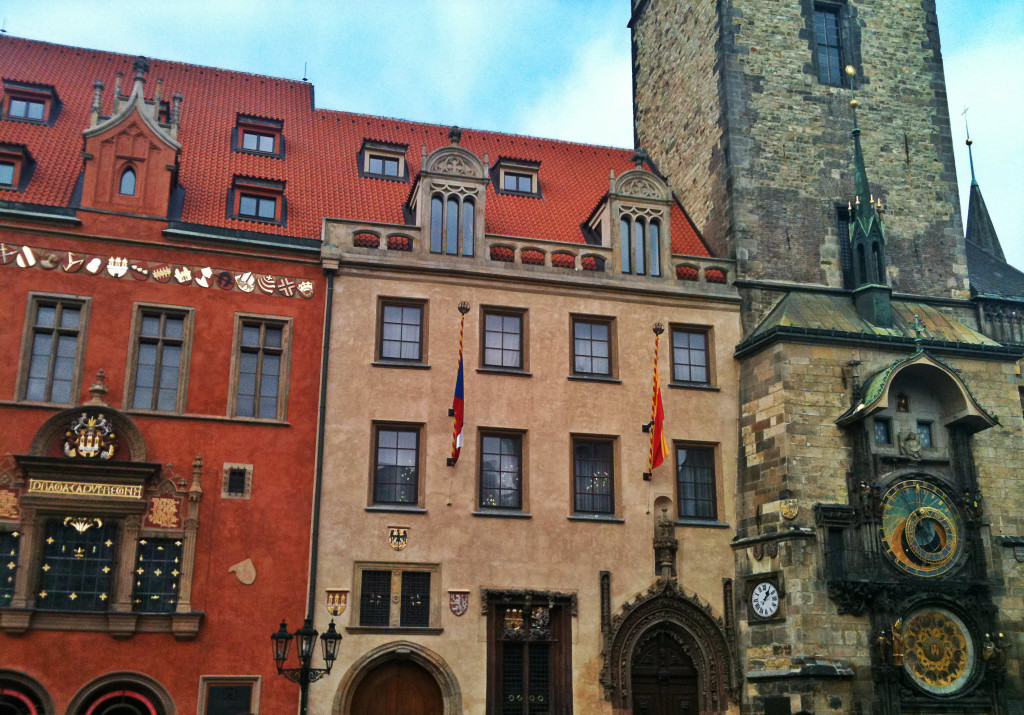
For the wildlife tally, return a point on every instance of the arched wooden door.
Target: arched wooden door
(398, 687)
(664, 678)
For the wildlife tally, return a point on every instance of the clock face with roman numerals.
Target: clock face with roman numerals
(921, 528)
(764, 599)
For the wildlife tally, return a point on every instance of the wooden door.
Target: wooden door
(399, 687)
(664, 679)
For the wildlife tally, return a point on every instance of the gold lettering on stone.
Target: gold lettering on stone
(85, 489)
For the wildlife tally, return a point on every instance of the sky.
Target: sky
(550, 68)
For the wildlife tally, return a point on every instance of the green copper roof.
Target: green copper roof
(864, 212)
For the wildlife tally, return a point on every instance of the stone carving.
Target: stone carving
(245, 571)
(90, 435)
(665, 546)
(453, 165)
(910, 444)
(455, 161)
(640, 186)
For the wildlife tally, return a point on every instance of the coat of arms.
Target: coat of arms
(789, 509)
(458, 602)
(90, 436)
(337, 600)
(398, 536)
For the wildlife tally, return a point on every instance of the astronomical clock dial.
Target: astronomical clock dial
(921, 528)
(764, 599)
(939, 653)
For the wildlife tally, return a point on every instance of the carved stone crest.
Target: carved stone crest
(398, 536)
(90, 436)
(458, 602)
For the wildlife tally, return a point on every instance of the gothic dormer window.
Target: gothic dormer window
(641, 204)
(127, 182)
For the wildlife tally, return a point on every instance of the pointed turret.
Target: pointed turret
(980, 229)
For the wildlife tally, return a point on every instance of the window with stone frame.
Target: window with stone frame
(397, 597)
(529, 653)
(236, 481)
(229, 695)
(53, 347)
(593, 476)
(452, 224)
(591, 346)
(161, 348)
(261, 357)
(501, 471)
(695, 482)
(503, 339)
(690, 365)
(828, 43)
(8, 565)
(401, 331)
(396, 465)
(156, 574)
(640, 245)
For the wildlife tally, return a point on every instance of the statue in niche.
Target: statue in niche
(910, 444)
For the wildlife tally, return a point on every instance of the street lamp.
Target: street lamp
(305, 642)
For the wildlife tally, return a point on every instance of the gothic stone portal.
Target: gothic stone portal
(664, 678)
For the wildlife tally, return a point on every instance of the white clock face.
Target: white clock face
(765, 599)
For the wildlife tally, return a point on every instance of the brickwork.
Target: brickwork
(760, 152)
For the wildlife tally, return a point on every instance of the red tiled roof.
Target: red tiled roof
(320, 165)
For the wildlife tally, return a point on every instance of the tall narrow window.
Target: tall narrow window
(639, 244)
(451, 231)
(157, 568)
(501, 471)
(8, 565)
(468, 227)
(876, 256)
(625, 238)
(436, 225)
(695, 476)
(54, 350)
(160, 343)
(592, 470)
(396, 470)
(415, 605)
(654, 231)
(128, 182)
(262, 347)
(829, 46)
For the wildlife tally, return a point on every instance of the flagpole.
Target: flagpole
(457, 412)
(656, 427)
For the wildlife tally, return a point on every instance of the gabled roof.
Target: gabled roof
(320, 165)
(992, 277)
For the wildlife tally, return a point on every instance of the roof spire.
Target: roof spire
(980, 230)
(970, 142)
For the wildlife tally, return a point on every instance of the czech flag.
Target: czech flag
(659, 445)
(457, 411)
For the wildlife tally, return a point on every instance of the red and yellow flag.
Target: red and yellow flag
(659, 445)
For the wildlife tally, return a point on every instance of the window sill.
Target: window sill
(399, 508)
(26, 120)
(504, 371)
(256, 152)
(503, 513)
(385, 177)
(257, 219)
(184, 626)
(597, 518)
(396, 629)
(705, 523)
(410, 365)
(693, 386)
(596, 378)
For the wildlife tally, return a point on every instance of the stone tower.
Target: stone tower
(880, 423)
(743, 104)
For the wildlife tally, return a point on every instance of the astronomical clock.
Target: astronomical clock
(904, 551)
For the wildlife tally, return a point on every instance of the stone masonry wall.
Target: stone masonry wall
(741, 87)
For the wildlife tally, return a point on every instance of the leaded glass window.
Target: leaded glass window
(228, 698)
(924, 431)
(396, 472)
(591, 347)
(8, 565)
(261, 352)
(157, 570)
(592, 463)
(526, 640)
(375, 598)
(415, 607)
(883, 432)
(501, 473)
(78, 564)
(54, 353)
(401, 332)
(161, 337)
(690, 356)
(829, 44)
(695, 475)
(503, 340)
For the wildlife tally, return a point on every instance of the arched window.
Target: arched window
(653, 232)
(862, 263)
(122, 702)
(625, 234)
(128, 182)
(639, 246)
(876, 255)
(447, 216)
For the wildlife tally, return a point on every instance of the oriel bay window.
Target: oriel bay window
(452, 224)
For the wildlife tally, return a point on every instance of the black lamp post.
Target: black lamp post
(305, 642)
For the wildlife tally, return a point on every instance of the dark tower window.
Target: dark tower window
(828, 44)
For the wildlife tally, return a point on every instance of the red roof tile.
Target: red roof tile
(320, 165)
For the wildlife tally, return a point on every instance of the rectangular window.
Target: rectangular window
(396, 468)
(383, 165)
(503, 341)
(690, 356)
(257, 207)
(78, 563)
(924, 430)
(26, 109)
(883, 433)
(229, 695)
(591, 347)
(161, 358)
(829, 45)
(401, 332)
(398, 597)
(695, 478)
(8, 565)
(529, 658)
(6, 173)
(262, 358)
(518, 182)
(501, 471)
(157, 568)
(54, 352)
(592, 476)
(256, 141)
(236, 481)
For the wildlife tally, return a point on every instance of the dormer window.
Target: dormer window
(30, 102)
(127, 187)
(452, 222)
(382, 160)
(258, 135)
(257, 200)
(6, 173)
(15, 167)
(640, 241)
(516, 176)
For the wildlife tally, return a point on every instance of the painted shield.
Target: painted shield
(789, 508)
(458, 602)
(337, 600)
(398, 536)
(7, 253)
(161, 273)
